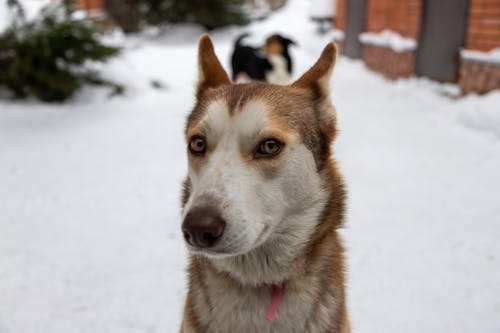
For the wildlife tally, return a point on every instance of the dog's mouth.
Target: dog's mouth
(219, 251)
(211, 253)
(214, 253)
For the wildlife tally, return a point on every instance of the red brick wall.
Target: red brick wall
(90, 4)
(483, 31)
(340, 15)
(393, 65)
(478, 77)
(402, 16)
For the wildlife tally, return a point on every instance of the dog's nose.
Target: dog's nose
(203, 226)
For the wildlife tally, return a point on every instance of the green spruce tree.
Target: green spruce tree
(209, 13)
(46, 57)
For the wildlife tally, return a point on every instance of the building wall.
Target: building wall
(339, 20)
(478, 77)
(483, 34)
(400, 16)
(483, 31)
(90, 4)
(393, 65)
(404, 17)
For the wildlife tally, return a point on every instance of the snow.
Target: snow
(493, 56)
(322, 8)
(31, 8)
(89, 195)
(477, 114)
(337, 35)
(389, 39)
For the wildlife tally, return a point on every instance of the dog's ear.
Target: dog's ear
(211, 74)
(317, 78)
(289, 41)
(316, 82)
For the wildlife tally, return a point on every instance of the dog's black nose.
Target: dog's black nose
(203, 226)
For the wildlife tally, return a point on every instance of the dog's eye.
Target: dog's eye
(197, 145)
(269, 148)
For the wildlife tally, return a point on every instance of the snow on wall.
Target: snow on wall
(389, 39)
(337, 35)
(492, 57)
(322, 8)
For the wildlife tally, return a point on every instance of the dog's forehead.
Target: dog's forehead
(252, 113)
(253, 104)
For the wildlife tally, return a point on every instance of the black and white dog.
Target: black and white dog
(271, 63)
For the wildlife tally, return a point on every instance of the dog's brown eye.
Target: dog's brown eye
(197, 145)
(269, 147)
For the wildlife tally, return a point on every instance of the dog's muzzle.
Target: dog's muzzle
(203, 227)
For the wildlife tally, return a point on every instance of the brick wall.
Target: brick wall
(90, 4)
(397, 15)
(478, 77)
(483, 31)
(483, 34)
(393, 65)
(340, 15)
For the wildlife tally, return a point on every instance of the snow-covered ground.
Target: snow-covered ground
(89, 196)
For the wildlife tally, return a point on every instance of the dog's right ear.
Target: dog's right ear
(211, 74)
(316, 81)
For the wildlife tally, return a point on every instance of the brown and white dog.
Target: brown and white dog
(262, 203)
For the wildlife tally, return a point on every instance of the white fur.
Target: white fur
(279, 74)
(243, 309)
(242, 78)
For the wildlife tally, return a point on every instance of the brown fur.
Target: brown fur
(273, 46)
(316, 276)
(211, 72)
(295, 111)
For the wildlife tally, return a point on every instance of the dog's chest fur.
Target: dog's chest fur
(311, 300)
(279, 73)
(243, 310)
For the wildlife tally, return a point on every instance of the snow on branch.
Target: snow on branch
(389, 39)
(492, 57)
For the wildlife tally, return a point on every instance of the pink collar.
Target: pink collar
(275, 301)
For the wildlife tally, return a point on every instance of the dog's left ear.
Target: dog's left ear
(316, 82)
(317, 78)
(211, 73)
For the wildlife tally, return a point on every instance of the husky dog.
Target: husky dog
(262, 203)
